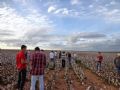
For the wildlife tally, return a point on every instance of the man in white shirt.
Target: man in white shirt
(52, 58)
(55, 55)
(52, 55)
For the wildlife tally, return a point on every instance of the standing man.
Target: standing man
(38, 63)
(63, 56)
(60, 55)
(52, 59)
(117, 63)
(55, 55)
(21, 64)
(99, 61)
(69, 56)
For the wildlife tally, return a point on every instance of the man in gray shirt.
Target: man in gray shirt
(117, 63)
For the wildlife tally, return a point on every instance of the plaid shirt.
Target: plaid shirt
(38, 63)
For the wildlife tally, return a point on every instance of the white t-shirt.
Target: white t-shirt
(55, 53)
(52, 55)
(75, 55)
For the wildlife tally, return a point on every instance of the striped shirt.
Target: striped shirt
(38, 63)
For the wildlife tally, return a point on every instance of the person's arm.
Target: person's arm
(23, 61)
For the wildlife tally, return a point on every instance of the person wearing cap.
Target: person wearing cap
(117, 63)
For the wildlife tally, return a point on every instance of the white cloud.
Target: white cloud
(58, 11)
(109, 15)
(75, 2)
(112, 2)
(91, 6)
(64, 12)
(85, 36)
(14, 26)
(23, 2)
(51, 9)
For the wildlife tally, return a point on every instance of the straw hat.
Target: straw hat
(118, 54)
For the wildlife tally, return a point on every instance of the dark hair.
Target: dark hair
(37, 49)
(99, 52)
(23, 46)
(63, 52)
(42, 50)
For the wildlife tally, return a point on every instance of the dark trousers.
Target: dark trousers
(21, 79)
(63, 63)
(69, 60)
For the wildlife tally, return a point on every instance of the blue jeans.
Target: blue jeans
(34, 78)
(98, 66)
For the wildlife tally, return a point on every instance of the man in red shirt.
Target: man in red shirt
(21, 65)
(38, 64)
(99, 61)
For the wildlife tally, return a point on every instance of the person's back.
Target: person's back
(69, 55)
(51, 55)
(60, 55)
(55, 53)
(38, 63)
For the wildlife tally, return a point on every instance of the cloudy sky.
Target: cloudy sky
(60, 24)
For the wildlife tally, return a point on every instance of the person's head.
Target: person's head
(99, 52)
(37, 49)
(63, 52)
(42, 50)
(52, 51)
(23, 47)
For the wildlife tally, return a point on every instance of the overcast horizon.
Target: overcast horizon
(81, 25)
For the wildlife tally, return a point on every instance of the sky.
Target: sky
(82, 25)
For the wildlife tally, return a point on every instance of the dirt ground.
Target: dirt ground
(92, 80)
(97, 81)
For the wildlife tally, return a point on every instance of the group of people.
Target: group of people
(63, 56)
(37, 63)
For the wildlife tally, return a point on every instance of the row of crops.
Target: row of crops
(108, 72)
